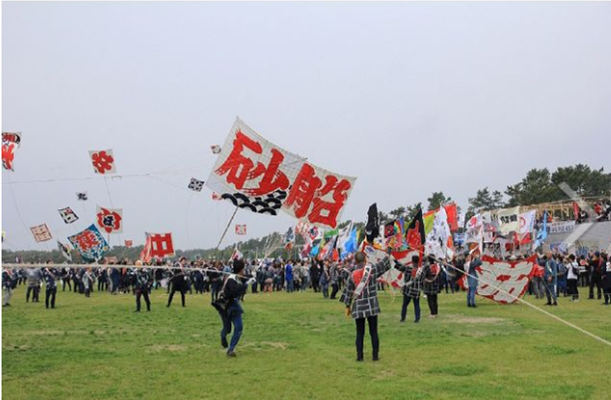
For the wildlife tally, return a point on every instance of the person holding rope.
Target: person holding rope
(361, 299)
(229, 307)
(472, 279)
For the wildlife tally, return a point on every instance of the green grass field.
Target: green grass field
(299, 346)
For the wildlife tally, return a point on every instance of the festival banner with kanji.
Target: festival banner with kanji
(10, 143)
(496, 278)
(257, 175)
(90, 244)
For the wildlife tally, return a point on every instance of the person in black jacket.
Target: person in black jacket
(50, 275)
(179, 282)
(142, 286)
(232, 315)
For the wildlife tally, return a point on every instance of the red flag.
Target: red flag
(157, 245)
(452, 213)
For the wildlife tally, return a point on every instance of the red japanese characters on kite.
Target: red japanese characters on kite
(110, 220)
(157, 245)
(41, 233)
(90, 244)
(240, 229)
(103, 161)
(10, 143)
(257, 175)
(68, 215)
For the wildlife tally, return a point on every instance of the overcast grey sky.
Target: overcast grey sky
(409, 97)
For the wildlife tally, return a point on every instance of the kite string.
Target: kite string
(14, 198)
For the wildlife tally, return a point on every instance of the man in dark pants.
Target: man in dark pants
(232, 315)
(141, 286)
(179, 282)
(66, 277)
(431, 274)
(34, 278)
(595, 271)
(412, 278)
(50, 276)
(361, 300)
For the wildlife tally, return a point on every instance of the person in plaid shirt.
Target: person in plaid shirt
(361, 300)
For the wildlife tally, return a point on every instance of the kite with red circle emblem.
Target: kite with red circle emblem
(110, 220)
(103, 161)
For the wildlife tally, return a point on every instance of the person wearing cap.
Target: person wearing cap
(361, 299)
(231, 292)
(141, 286)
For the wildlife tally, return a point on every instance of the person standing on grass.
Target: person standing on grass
(412, 282)
(361, 299)
(8, 284)
(179, 282)
(34, 279)
(324, 280)
(232, 291)
(334, 279)
(289, 276)
(573, 272)
(472, 278)
(50, 276)
(550, 279)
(432, 270)
(606, 278)
(141, 286)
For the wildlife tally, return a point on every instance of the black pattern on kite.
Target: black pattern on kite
(270, 204)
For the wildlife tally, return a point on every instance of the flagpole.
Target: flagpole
(226, 228)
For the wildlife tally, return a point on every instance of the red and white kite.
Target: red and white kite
(109, 220)
(496, 278)
(10, 143)
(240, 229)
(257, 175)
(129, 243)
(216, 196)
(236, 255)
(41, 233)
(157, 245)
(103, 162)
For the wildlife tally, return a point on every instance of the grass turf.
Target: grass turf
(299, 346)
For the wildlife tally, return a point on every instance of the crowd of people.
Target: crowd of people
(555, 275)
